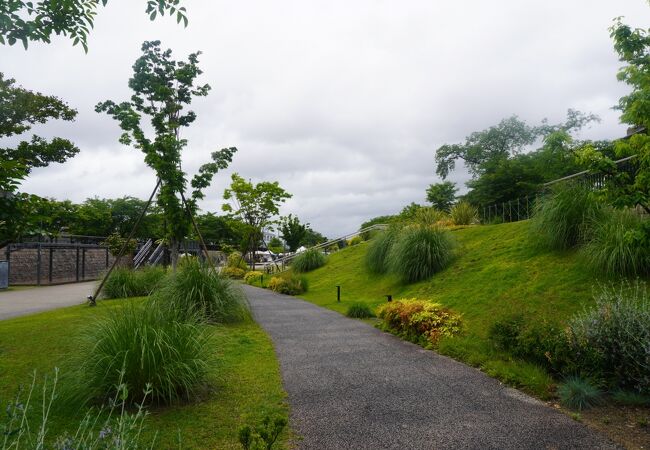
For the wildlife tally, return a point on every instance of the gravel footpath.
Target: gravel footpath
(352, 386)
(29, 301)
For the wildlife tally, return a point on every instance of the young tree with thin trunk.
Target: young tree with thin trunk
(255, 205)
(162, 90)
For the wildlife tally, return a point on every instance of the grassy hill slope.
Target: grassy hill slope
(497, 273)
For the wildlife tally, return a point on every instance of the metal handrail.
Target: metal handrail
(280, 262)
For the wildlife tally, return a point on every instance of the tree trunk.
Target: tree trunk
(173, 253)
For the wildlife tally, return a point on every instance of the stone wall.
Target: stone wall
(68, 264)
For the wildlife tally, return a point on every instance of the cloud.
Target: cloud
(343, 103)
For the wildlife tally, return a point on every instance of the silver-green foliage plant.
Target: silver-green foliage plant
(619, 244)
(579, 393)
(560, 219)
(113, 427)
(141, 347)
(420, 251)
(308, 260)
(463, 213)
(612, 339)
(198, 293)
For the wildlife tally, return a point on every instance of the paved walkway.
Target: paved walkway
(352, 386)
(43, 298)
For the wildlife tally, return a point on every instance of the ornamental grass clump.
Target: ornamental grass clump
(378, 249)
(611, 340)
(308, 260)
(359, 310)
(125, 282)
(579, 393)
(463, 213)
(419, 252)
(619, 244)
(419, 321)
(561, 219)
(145, 348)
(196, 291)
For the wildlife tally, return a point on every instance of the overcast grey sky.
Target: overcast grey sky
(343, 103)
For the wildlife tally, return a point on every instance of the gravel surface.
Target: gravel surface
(28, 301)
(352, 386)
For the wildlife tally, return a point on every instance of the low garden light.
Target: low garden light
(338, 293)
(389, 297)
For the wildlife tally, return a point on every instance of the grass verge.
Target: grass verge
(245, 386)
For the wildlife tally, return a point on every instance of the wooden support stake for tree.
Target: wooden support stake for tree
(198, 233)
(92, 299)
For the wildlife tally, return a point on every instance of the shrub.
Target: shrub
(377, 254)
(419, 321)
(263, 435)
(143, 348)
(578, 393)
(428, 216)
(197, 292)
(359, 310)
(308, 260)
(463, 213)
(419, 252)
(619, 244)
(236, 261)
(629, 398)
(233, 272)
(611, 340)
(559, 221)
(355, 241)
(292, 285)
(253, 277)
(124, 282)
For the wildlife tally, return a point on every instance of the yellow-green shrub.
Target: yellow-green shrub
(233, 272)
(253, 277)
(292, 285)
(236, 260)
(419, 321)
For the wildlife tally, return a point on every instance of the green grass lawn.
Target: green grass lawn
(496, 273)
(245, 386)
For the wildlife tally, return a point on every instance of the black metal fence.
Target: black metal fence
(523, 208)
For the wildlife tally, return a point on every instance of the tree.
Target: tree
(275, 245)
(293, 232)
(162, 88)
(312, 238)
(29, 21)
(503, 141)
(255, 205)
(220, 230)
(20, 109)
(442, 195)
(625, 188)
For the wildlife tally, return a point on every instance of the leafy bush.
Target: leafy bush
(233, 272)
(197, 292)
(377, 254)
(262, 436)
(114, 242)
(463, 213)
(578, 393)
(292, 285)
(419, 252)
(308, 260)
(428, 216)
(559, 221)
(359, 310)
(236, 261)
(253, 277)
(611, 340)
(124, 282)
(419, 321)
(619, 244)
(145, 348)
(355, 241)
(629, 398)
